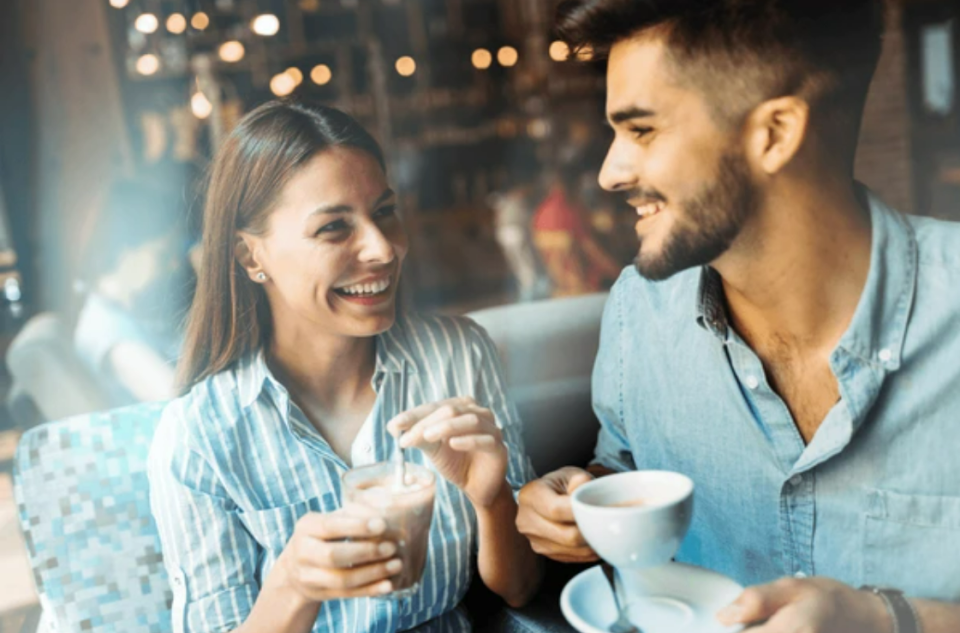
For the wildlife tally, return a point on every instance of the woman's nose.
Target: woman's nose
(375, 247)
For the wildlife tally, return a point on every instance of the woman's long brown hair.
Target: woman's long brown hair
(230, 316)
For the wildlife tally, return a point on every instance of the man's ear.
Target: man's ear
(245, 251)
(776, 130)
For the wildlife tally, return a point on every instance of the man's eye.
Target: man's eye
(333, 227)
(640, 132)
(386, 212)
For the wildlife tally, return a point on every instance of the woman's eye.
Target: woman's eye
(332, 227)
(640, 132)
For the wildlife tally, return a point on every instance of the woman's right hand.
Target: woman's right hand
(319, 564)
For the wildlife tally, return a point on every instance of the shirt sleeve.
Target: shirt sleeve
(208, 554)
(491, 392)
(613, 448)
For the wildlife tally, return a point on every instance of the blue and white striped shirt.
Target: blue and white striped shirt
(235, 463)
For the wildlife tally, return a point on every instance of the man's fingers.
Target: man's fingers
(566, 535)
(760, 603)
(339, 525)
(563, 554)
(542, 497)
(577, 479)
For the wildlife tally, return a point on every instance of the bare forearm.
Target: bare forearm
(279, 609)
(937, 617)
(507, 564)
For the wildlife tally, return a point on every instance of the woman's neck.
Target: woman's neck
(323, 372)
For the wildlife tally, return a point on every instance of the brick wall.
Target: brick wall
(884, 156)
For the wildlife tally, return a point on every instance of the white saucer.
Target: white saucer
(681, 599)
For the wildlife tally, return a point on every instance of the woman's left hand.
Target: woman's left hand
(462, 440)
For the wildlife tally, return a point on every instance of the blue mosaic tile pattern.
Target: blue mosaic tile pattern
(81, 490)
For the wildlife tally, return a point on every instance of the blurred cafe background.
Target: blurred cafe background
(111, 109)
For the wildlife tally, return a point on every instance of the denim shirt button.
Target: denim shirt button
(800, 575)
(752, 382)
(885, 355)
(796, 480)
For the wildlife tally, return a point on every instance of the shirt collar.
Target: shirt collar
(254, 375)
(879, 324)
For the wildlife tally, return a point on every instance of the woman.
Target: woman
(296, 364)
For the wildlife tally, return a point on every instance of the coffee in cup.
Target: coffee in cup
(407, 511)
(635, 519)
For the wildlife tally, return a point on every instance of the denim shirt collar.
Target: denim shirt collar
(253, 374)
(876, 332)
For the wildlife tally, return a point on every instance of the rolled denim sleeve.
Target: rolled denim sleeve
(209, 556)
(491, 392)
(613, 447)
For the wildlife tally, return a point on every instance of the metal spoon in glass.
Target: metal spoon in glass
(623, 624)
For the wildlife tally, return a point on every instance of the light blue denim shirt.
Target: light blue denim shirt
(235, 463)
(875, 497)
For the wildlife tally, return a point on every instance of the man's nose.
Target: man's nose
(617, 173)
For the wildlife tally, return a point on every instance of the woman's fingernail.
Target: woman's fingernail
(431, 435)
(730, 614)
(394, 566)
(385, 587)
(376, 525)
(386, 548)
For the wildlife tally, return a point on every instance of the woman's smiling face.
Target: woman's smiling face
(333, 247)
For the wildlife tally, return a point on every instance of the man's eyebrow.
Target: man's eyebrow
(344, 208)
(628, 114)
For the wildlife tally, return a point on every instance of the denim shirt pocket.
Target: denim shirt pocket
(912, 542)
(273, 527)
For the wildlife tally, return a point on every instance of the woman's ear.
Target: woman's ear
(246, 252)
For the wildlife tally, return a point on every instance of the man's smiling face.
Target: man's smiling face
(683, 171)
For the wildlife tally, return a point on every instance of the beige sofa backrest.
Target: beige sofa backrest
(548, 349)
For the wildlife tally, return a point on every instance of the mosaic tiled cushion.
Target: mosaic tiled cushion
(82, 497)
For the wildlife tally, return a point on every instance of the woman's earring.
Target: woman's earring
(261, 276)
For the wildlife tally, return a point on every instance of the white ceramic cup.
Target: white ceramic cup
(636, 536)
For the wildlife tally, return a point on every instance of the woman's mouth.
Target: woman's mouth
(366, 293)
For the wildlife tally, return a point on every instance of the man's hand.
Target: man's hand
(545, 516)
(815, 605)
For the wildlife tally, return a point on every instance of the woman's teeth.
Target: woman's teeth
(374, 288)
(648, 210)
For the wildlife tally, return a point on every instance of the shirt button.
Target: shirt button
(885, 355)
(800, 575)
(796, 480)
(752, 382)
(367, 449)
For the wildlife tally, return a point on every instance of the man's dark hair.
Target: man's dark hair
(743, 52)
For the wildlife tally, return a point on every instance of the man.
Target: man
(784, 338)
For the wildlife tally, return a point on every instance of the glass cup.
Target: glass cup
(407, 510)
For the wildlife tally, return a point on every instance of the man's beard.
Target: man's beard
(711, 222)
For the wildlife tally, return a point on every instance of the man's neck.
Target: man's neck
(796, 280)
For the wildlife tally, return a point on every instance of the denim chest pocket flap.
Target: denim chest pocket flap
(912, 542)
(273, 527)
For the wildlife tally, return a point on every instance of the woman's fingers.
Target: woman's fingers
(470, 443)
(342, 580)
(408, 419)
(339, 525)
(344, 555)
